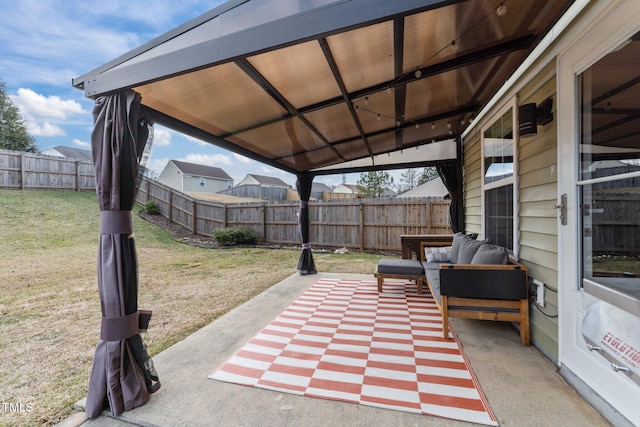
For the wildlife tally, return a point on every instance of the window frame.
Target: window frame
(510, 180)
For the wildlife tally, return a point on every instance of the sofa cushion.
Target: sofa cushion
(490, 254)
(433, 277)
(455, 247)
(411, 267)
(439, 254)
(468, 248)
(430, 265)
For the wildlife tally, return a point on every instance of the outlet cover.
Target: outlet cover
(539, 292)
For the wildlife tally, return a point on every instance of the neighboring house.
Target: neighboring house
(433, 188)
(187, 177)
(261, 187)
(317, 190)
(68, 153)
(346, 189)
(263, 181)
(565, 199)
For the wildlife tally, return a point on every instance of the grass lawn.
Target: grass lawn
(49, 304)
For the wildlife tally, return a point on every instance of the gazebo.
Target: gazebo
(312, 88)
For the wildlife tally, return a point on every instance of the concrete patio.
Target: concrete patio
(522, 386)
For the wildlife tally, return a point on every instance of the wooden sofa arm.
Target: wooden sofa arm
(439, 243)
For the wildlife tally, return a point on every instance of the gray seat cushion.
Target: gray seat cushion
(433, 277)
(411, 267)
(431, 265)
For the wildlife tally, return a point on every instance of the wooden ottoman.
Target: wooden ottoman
(407, 269)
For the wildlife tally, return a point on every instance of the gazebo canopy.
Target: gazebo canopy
(326, 86)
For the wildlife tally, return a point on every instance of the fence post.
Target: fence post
(23, 173)
(170, 206)
(361, 226)
(195, 218)
(264, 222)
(224, 216)
(77, 175)
(429, 216)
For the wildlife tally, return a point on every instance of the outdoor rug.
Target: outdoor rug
(342, 340)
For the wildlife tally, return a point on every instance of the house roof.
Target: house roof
(352, 187)
(73, 153)
(319, 186)
(333, 86)
(269, 180)
(201, 170)
(432, 188)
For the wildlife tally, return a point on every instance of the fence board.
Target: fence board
(29, 170)
(367, 224)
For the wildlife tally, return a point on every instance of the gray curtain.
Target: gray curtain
(451, 175)
(306, 265)
(122, 376)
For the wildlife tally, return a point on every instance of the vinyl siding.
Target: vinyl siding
(538, 187)
(537, 192)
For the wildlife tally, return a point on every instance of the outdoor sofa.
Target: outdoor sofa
(475, 279)
(467, 278)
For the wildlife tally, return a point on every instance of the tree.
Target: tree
(408, 181)
(373, 184)
(427, 175)
(13, 131)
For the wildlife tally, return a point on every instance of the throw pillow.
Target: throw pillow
(468, 248)
(490, 254)
(442, 254)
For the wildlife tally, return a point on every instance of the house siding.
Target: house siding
(211, 185)
(537, 191)
(171, 176)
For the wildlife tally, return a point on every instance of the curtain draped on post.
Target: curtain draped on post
(123, 375)
(305, 263)
(451, 175)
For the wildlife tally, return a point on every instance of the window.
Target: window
(202, 181)
(609, 181)
(498, 154)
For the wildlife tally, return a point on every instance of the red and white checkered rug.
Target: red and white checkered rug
(341, 340)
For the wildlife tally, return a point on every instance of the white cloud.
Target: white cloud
(209, 159)
(196, 140)
(33, 105)
(242, 159)
(161, 137)
(157, 165)
(46, 129)
(82, 144)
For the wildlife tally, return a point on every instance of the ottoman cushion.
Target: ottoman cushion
(411, 267)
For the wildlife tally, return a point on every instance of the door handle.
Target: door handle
(562, 207)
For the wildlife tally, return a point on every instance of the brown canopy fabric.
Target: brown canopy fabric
(122, 376)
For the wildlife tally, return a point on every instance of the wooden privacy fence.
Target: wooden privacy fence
(27, 170)
(366, 224)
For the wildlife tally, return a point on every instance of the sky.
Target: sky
(44, 44)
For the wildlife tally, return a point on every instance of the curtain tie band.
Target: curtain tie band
(119, 328)
(306, 246)
(116, 222)
(304, 204)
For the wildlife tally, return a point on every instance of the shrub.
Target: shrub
(151, 208)
(235, 236)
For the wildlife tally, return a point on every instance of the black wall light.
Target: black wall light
(532, 115)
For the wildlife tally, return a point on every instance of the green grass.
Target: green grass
(49, 303)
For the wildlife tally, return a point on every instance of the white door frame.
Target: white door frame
(608, 24)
